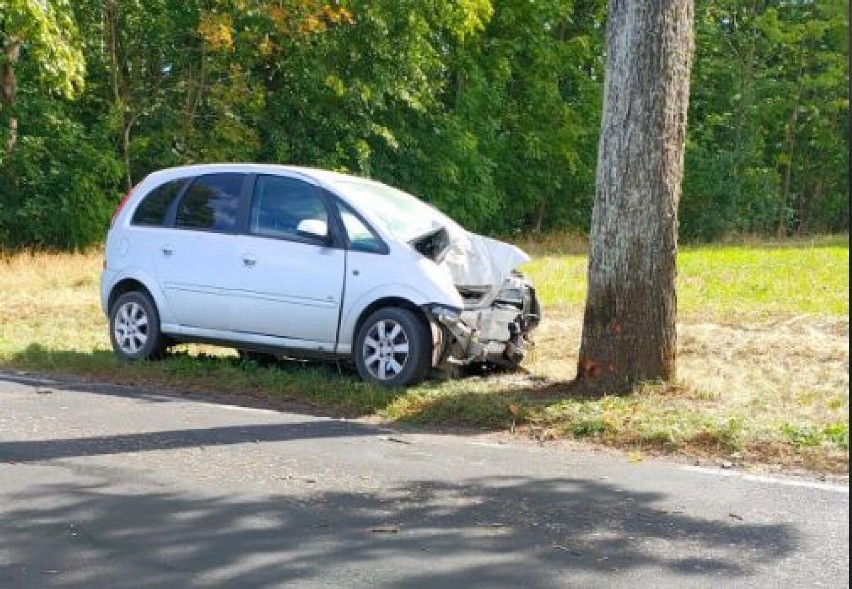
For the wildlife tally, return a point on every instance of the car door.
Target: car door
(190, 259)
(290, 280)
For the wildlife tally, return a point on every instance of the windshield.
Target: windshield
(401, 214)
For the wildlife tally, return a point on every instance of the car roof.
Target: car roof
(318, 175)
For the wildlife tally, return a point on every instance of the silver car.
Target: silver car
(282, 260)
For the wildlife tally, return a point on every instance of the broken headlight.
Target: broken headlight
(513, 291)
(437, 310)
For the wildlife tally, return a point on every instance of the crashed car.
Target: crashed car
(284, 261)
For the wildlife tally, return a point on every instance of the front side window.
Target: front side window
(282, 205)
(361, 237)
(211, 203)
(154, 207)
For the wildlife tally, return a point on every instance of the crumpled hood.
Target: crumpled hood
(476, 260)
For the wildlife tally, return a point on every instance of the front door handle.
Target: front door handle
(249, 261)
(167, 250)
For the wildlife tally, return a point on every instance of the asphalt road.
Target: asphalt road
(106, 487)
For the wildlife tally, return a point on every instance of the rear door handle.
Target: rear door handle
(167, 250)
(249, 261)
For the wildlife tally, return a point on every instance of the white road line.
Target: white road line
(239, 408)
(768, 479)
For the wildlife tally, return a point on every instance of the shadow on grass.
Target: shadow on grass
(316, 388)
(482, 402)
(471, 532)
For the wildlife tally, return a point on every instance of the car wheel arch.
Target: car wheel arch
(390, 302)
(125, 286)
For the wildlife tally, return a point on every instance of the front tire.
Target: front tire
(134, 328)
(393, 348)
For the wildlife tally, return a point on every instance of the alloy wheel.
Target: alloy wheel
(386, 349)
(131, 327)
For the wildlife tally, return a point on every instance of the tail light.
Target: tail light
(119, 207)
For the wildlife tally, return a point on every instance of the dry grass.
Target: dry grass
(771, 364)
(775, 385)
(48, 298)
(758, 379)
(802, 361)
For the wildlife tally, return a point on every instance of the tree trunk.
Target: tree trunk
(111, 43)
(9, 89)
(629, 324)
(784, 223)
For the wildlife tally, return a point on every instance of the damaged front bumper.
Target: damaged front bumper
(498, 334)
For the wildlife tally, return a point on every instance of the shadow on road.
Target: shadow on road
(124, 530)
(38, 450)
(482, 532)
(165, 393)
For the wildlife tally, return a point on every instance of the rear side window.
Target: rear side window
(211, 203)
(153, 208)
(281, 203)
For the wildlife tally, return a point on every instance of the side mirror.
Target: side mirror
(313, 229)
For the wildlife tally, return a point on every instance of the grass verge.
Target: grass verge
(763, 357)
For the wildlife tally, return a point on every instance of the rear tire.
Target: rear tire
(392, 348)
(134, 328)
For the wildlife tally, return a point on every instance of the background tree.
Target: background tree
(488, 109)
(629, 323)
(767, 148)
(46, 35)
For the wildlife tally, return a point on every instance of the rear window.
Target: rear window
(153, 208)
(211, 203)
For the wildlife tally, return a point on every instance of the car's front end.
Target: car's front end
(499, 307)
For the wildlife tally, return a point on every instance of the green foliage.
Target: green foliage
(58, 190)
(837, 434)
(49, 36)
(489, 109)
(769, 119)
(808, 435)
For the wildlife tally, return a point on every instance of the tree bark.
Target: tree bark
(9, 89)
(111, 43)
(784, 223)
(629, 331)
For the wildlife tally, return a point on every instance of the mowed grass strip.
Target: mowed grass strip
(741, 281)
(763, 357)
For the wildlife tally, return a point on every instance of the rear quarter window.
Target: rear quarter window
(155, 205)
(211, 203)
